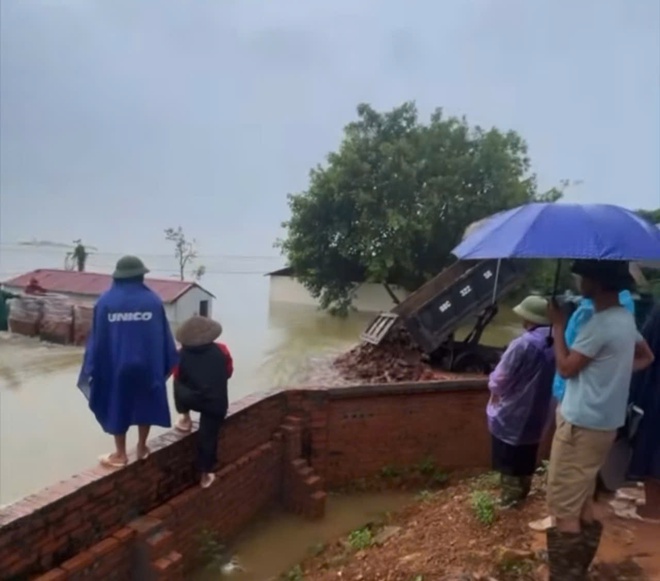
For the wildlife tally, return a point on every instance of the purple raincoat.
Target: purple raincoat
(521, 388)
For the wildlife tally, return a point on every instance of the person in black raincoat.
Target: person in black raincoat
(200, 384)
(645, 393)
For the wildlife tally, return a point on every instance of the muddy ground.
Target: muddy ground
(459, 533)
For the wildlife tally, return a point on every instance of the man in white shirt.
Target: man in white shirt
(598, 369)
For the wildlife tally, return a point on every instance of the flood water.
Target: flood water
(46, 431)
(278, 542)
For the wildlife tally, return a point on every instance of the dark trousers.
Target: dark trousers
(210, 422)
(516, 464)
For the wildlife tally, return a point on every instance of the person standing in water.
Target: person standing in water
(200, 384)
(129, 356)
(520, 387)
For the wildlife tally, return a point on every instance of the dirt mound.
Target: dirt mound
(460, 533)
(397, 358)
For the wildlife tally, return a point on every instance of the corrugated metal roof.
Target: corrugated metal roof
(95, 283)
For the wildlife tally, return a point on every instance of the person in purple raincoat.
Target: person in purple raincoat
(521, 389)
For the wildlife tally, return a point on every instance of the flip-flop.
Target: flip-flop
(144, 456)
(107, 461)
(183, 428)
(207, 483)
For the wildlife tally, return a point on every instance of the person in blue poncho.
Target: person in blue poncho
(129, 356)
(645, 393)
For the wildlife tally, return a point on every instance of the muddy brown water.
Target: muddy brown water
(46, 431)
(276, 543)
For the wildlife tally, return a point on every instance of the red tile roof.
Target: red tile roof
(95, 283)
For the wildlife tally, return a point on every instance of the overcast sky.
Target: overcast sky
(120, 118)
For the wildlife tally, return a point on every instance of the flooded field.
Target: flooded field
(46, 431)
(279, 541)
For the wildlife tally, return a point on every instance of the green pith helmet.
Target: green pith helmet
(129, 267)
(533, 309)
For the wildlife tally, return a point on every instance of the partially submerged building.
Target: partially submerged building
(182, 299)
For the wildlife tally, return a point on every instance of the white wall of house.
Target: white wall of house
(189, 304)
(369, 297)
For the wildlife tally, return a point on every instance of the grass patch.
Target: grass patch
(484, 506)
(486, 481)
(360, 539)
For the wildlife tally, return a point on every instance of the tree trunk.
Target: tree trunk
(391, 293)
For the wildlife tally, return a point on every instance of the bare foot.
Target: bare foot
(207, 479)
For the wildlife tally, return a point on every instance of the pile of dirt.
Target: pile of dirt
(397, 358)
(459, 533)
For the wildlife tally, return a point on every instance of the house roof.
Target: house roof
(286, 271)
(96, 283)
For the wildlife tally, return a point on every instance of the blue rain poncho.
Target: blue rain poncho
(129, 356)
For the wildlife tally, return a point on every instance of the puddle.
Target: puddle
(279, 541)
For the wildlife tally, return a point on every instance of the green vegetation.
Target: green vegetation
(484, 506)
(431, 475)
(487, 480)
(212, 553)
(396, 197)
(294, 574)
(360, 539)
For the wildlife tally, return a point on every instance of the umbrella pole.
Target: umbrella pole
(497, 278)
(550, 341)
(556, 283)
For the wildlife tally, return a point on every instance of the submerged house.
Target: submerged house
(182, 299)
(368, 296)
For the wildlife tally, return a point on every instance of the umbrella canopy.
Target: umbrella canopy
(590, 231)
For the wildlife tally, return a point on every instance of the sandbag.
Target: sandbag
(25, 315)
(56, 324)
(83, 316)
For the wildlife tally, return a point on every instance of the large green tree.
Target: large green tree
(396, 197)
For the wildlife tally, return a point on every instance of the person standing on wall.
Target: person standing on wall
(521, 386)
(200, 384)
(129, 356)
(645, 393)
(598, 368)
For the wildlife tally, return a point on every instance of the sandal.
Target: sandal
(206, 482)
(144, 456)
(109, 461)
(183, 426)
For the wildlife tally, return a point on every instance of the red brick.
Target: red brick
(53, 575)
(78, 563)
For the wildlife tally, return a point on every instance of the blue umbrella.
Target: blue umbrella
(591, 231)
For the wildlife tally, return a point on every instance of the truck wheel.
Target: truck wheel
(471, 363)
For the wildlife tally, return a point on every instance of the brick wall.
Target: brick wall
(145, 521)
